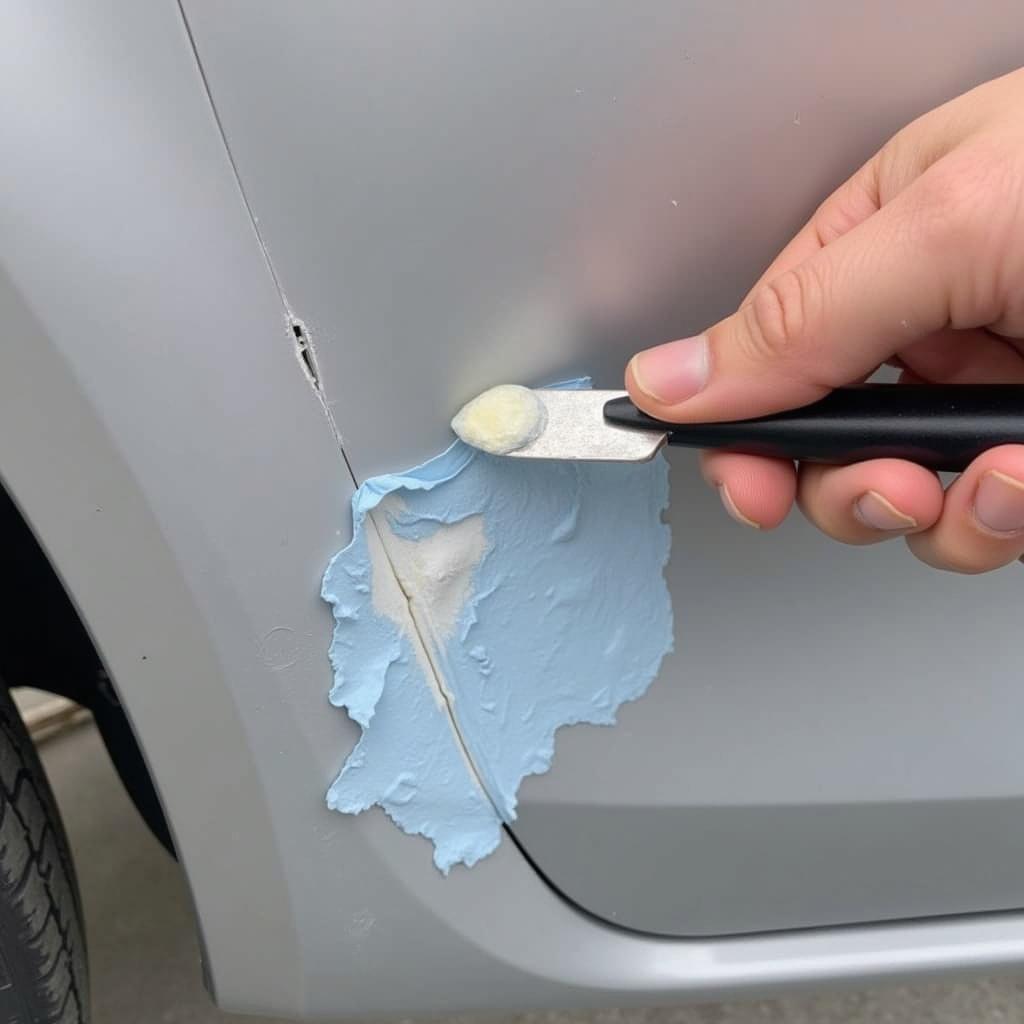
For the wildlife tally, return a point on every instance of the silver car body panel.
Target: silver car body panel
(162, 438)
(462, 194)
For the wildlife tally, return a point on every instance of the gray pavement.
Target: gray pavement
(145, 958)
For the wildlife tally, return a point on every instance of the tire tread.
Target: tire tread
(37, 886)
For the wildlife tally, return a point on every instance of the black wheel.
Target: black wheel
(43, 973)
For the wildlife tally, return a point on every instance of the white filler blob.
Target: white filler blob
(437, 571)
(422, 586)
(501, 420)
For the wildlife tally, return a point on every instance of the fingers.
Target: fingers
(851, 204)
(910, 262)
(870, 501)
(755, 492)
(976, 527)
(904, 273)
(963, 357)
(982, 521)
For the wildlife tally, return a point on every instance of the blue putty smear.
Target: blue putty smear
(531, 597)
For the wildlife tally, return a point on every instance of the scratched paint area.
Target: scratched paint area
(483, 604)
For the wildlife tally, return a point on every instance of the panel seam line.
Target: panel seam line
(260, 240)
(421, 639)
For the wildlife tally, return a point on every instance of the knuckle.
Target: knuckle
(780, 314)
(832, 220)
(968, 209)
(959, 201)
(847, 207)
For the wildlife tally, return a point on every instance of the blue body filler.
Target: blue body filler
(544, 606)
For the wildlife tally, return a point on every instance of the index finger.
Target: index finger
(849, 205)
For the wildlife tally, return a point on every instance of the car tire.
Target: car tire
(43, 969)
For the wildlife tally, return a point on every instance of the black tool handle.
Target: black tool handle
(935, 425)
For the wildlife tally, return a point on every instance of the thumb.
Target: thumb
(830, 320)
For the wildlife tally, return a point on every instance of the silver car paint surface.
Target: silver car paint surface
(461, 194)
(161, 437)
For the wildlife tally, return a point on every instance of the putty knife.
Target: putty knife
(942, 427)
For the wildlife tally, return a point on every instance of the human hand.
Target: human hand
(918, 261)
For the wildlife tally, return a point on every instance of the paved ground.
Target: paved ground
(145, 961)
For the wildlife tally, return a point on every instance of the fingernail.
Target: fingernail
(730, 507)
(674, 372)
(999, 503)
(881, 514)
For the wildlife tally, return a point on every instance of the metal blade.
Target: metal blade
(576, 430)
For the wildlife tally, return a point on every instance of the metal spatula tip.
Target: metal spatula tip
(577, 431)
